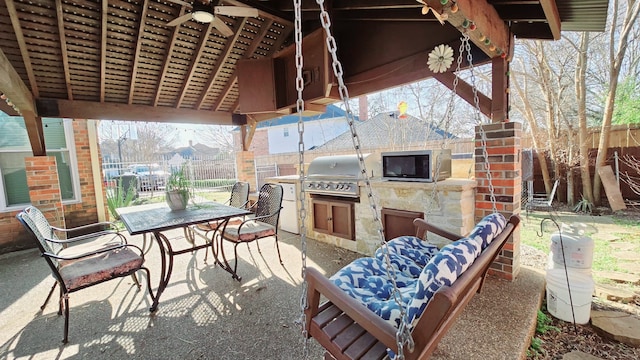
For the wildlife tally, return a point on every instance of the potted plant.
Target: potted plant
(178, 190)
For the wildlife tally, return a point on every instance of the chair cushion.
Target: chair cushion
(408, 254)
(213, 225)
(101, 267)
(485, 231)
(250, 231)
(366, 280)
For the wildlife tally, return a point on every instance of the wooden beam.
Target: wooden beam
(553, 17)
(9, 110)
(15, 22)
(136, 56)
(247, 131)
(402, 71)
(35, 131)
(222, 59)
(167, 57)
(499, 90)
(195, 59)
(465, 91)
(13, 86)
(112, 111)
(264, 29)
(265, 12)
(103, 49)
(484, 16)
(63, 49)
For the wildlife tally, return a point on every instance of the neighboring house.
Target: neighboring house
(68, 141)
(194, 151)
(280, 135)
(388, 131)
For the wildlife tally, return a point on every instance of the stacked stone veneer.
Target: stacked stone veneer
(504, 155)
(44, 191)
(452, 208)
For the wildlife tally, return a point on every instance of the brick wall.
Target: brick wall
(12, 235)
(246, 169)
(85, 212)
(503, 152)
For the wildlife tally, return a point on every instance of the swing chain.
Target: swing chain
(483, 134)
(301, 195)
(448, 119)
(403, 334)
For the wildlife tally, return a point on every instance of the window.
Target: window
(286, 132)
(15, 146)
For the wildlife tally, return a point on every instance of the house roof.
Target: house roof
(389, 130)
(332, 112)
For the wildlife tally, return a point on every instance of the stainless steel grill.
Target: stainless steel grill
(337, 175)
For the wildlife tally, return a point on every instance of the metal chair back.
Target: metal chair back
(239, 195)
(269, 202)
(37, 224)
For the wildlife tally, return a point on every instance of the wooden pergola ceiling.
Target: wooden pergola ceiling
(117, 59)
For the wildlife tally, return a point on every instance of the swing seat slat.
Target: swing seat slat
(349, 330)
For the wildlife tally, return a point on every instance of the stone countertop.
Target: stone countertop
(290, 179)
(447, 184)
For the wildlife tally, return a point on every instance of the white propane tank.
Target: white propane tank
(578, 248)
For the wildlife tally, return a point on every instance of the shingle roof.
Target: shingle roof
(331, 112)
(387, 130)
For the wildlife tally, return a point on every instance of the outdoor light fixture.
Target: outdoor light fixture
(202, 13)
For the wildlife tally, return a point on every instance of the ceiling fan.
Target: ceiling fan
(206, 13)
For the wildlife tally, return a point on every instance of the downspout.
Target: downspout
(96, 169)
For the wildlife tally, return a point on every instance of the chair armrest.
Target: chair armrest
(106, 224)
(115, 234)
(423, 227)
(94, 252)
(258, 218)
(318, 285)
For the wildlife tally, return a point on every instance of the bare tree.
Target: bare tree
(219, 136)
(581, 99)
(616, 57)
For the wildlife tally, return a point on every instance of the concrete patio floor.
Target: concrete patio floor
(205, 314)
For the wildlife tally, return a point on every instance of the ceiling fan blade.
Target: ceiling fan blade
(224, 29)
(235, 11)
(179, 20)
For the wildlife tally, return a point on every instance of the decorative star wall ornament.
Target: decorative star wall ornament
(425, 10)
(440, 58)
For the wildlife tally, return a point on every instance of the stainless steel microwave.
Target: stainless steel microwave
(419, 165)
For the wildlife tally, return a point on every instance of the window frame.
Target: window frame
(70, 148)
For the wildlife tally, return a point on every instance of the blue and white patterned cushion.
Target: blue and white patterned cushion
(408, 254)
(485, 231)
(366, 280)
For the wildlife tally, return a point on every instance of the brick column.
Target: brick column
(503, 150)
(44, 188)
(246, 168)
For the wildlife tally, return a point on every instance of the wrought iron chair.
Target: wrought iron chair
(80, 262)
(263, 224)
(239, 198)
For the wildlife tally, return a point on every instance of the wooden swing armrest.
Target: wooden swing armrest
(318, 285)
(423, 227)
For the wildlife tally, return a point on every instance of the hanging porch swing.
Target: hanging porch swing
(401, 301)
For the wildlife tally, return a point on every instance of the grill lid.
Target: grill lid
(339, 166)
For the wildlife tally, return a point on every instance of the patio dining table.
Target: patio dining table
(157, 218)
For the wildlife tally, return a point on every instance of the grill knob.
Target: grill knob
(327, 186)
(318, 186)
